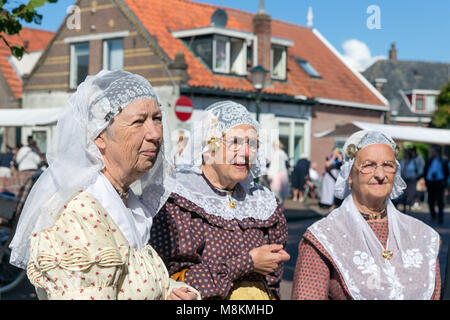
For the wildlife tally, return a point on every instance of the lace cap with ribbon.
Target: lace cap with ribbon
(356, 142)
(75, 161)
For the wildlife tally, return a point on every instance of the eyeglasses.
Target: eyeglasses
(236, 143)
(370, 167)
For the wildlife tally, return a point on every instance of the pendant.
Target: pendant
(387, 254)
(231, 204)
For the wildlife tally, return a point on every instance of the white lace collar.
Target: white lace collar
(357, 252)
(134, 222)
(250, 200)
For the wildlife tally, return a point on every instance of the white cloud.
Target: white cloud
(357, 54)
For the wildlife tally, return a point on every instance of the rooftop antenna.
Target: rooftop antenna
(219, 18)
(310, 17)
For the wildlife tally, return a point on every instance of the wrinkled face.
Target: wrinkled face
(373, 172)
(133, 139)
(234, 157)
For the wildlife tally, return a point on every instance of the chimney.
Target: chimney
(393, 53)
(263, 32)
(379, 82)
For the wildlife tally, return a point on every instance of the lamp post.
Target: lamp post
(258, 77)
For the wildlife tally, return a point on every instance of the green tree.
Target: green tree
(11, 17)
(441, 117)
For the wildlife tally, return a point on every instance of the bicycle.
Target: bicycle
(10, 210)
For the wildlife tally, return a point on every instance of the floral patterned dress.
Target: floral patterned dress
(84, 255)
(215, 251)
(316, 275)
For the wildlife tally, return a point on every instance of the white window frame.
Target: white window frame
(307, 136)
(105, 61)
(226, 68)
(282, 76)
(73, 65)
(239, 67)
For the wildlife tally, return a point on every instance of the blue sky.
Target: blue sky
(419, 28)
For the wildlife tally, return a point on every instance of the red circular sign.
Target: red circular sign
(184, 108)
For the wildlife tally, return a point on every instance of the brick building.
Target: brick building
(206, 53)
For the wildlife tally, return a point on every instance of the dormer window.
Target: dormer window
(278, 62)
(423, 101)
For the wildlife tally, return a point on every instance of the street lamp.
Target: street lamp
(258, 77)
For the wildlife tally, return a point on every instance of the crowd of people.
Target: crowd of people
(112, 217)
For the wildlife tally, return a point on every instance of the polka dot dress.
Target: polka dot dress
(214, 250)
(316, 277)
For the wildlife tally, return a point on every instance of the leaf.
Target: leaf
(17, 51)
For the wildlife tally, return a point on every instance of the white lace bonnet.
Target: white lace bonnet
(217, 119)
(356, 142)
(75, 161)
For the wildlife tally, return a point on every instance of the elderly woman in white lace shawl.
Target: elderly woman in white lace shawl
(84, 232)
(366, 248)
(220, 231)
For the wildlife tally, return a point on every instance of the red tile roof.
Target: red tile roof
(161, 17)
(37, 40)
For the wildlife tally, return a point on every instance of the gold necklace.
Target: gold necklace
(231, 204)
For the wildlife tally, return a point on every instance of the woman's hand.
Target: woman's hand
(267, 258)
(182, 294)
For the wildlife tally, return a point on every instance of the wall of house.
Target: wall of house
(327, 117)
(7, 100)
(97, 17)
(48, 85)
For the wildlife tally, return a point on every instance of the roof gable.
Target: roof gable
(338, 82)
(34, 40)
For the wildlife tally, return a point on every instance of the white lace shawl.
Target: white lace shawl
(251, 199)
(357, 252)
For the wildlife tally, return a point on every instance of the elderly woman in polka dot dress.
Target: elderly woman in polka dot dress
(366, 249)
(84, 232)
(221, 232)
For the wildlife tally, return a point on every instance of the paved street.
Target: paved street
(299, 218)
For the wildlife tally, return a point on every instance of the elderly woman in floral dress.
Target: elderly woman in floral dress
(84, 232)
(366, 249)
(221, 232)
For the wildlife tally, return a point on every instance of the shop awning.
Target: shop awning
(29, 117)
(398, 133)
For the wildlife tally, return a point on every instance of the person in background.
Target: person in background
(332, 165)
(7, 162)
(27, 159)
(410, 173)
(420, 164)
(277, 172)
(299, 178)
(436, 173)
(315, 182)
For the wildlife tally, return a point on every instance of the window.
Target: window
(202, 47)
(308, 68)
(278, 63)
(113, 54)
(221, 55)
(238, 56)
(292, 134)
(41, 140)
(79, 63)
(420, 104)
(431, 103)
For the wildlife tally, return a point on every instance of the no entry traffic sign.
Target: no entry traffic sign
(183, 108)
